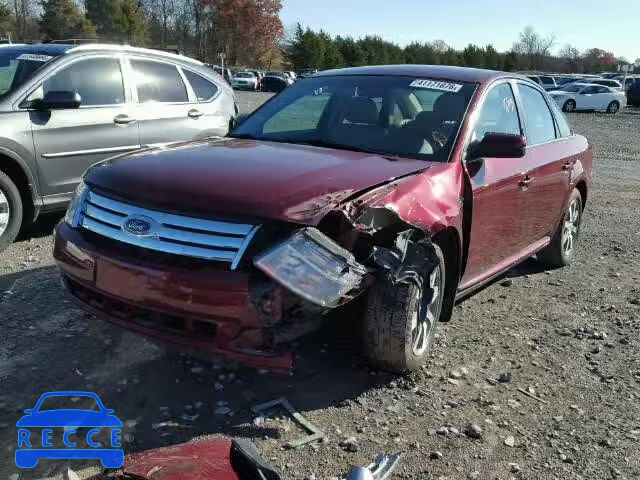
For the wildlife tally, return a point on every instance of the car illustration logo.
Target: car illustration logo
(41, 427)
(139, 226)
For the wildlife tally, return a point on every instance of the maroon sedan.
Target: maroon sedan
(402, 187)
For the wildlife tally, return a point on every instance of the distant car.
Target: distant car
(224, 73)
(272, 83)
(616, 85)
(587, 96)
(245, 81)
(628, 81)
(291, 74)
(64, 108)
(63, 418)
(545, 81)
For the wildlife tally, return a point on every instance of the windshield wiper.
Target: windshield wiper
(342, 146)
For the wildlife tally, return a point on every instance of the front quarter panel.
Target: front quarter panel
(16, 143)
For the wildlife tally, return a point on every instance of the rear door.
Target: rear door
(549, 151)
(499, 230)
(67, 142)
(165, 107)
(588, 99)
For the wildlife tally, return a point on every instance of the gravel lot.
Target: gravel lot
(569, 337)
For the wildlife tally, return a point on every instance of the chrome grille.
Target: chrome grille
(173, 234)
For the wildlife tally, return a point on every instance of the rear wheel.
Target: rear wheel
(569, 106)
(401, 320)
(10, 211)
(613, 107)
(561, 251)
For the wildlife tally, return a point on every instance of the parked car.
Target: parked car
(627, 81)
(65, 108)
(291, 74)
(616, 85)
(587, 96)
(545, 81)
(245, 81)
(225, 73)
(274, 83)
(633, 95)
(306, 72)
(237, 246)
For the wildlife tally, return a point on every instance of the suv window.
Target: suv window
(499, 113)
(546, 79)
(158, 82)
(537, 116)
(98, 81)
(203, 88)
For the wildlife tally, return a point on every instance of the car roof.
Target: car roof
(101, 47)
(439, 72)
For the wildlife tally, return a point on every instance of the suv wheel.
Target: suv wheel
(10, 211)
(401, 320)
(561, 251)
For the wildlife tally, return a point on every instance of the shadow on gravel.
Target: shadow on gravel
(43, 227)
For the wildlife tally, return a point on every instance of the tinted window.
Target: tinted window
(537, 116)
(546, 79)
(498, 114)
(158, 82)
(203, 88)
(563, 125)
(97, 80)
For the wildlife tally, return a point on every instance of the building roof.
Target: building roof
(438, 72)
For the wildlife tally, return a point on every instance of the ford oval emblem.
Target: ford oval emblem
(139, 226)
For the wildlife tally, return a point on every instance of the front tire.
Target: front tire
(569, 106)
(613, 108)
(10, 211)
(561, 251)
(401, 321)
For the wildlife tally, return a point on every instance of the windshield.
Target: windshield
(388, 115)
(244, 75)
(572, 88)
(16, 66)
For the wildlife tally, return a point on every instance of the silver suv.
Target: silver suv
(63, 108)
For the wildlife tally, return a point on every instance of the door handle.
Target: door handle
(195, 113)
(123, 119)
(523, 184)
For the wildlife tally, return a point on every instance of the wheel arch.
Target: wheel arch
(581, 185)
(21, 176)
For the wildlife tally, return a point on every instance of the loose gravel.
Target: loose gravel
(535, 377)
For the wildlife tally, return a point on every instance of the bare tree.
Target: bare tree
(572, 58)
(534, 47)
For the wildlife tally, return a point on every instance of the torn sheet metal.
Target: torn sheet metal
(314, 267)
(315, 432)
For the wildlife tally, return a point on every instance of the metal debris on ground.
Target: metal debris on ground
(535, 397)
(315, 432)
(381, 469)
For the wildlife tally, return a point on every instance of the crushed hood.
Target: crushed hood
(232, 177)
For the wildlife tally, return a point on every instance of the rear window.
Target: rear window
(203, 88)
(158, 82)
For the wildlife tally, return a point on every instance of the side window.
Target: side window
(602, 90)
(537, 116)
(563, 124)
(546, 80)
(158, 82)
(301, 114)
(202, 87)
(590, 90)
(499, 113)
(98, 81)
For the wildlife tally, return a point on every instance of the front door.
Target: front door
(163, 108)
(67, 142)
(498, 228)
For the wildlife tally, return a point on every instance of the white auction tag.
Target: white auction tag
(34, 57)
(437, 85)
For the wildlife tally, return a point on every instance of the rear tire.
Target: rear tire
(10, 211)
(396, 338)
(569, 106)
(561, 251)
(613, 108)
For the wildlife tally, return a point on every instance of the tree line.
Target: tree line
(306, 48)
(245, 31)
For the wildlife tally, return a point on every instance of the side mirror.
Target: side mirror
(60, 100)
(498, 145)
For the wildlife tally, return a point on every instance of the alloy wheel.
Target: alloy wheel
(613, 108)
(424, 318)
(5, 212)
(570, 227)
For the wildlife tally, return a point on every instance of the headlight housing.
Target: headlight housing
(72, 217)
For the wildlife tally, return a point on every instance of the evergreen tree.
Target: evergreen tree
(63, 19)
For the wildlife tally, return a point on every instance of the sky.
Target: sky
(612, 26)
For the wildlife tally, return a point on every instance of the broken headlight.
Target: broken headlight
(72, 217)
(314, 267)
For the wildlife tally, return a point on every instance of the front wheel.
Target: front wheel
(569, 106)
(10, 211)
(561, 251)
(613, 107)
(401, 320)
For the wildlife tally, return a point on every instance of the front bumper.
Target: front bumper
(207, 309)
